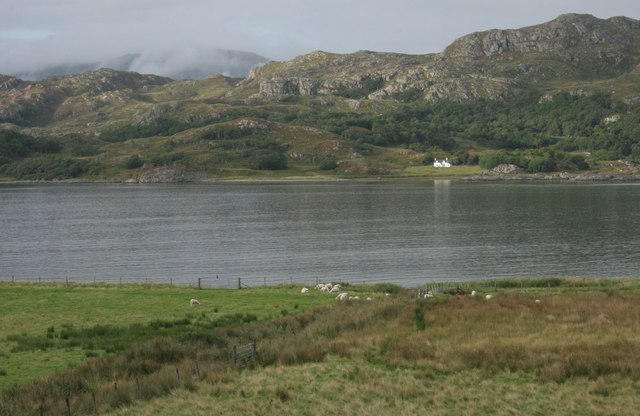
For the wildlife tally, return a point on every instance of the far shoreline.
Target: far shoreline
(488, 176)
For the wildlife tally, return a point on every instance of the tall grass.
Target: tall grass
(563, 338)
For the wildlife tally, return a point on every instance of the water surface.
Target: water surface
(303, 232)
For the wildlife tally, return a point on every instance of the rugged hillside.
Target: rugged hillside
(492, 64)
(557, 96)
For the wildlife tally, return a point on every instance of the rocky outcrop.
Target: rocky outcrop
(560, 35)
(507, 169)
(159, 175)
(25, 102)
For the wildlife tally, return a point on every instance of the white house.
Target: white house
(441, 163)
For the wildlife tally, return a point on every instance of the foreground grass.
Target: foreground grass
(546, 346)
(45, 328)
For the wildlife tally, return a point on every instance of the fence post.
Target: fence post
(66, 400)
(199, 283)
(254, 352)
(239, 283)
(95, 404)
(178, 374)
(197, 370)
(41, 409)
(234, 354)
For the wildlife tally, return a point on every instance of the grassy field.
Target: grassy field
(46, 328)
(544, 346)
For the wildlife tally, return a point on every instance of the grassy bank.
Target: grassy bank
(544, 346)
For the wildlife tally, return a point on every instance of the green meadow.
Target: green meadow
(536, 346)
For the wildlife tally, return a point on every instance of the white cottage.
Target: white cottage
(441, 163)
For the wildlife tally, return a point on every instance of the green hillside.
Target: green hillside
(559, 96)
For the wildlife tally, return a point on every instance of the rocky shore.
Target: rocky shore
(514, 173)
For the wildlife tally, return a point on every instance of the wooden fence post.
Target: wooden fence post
(199, 283)
(178, 374)
(234, 355)
(41, 409)
(239, 283)
(66, 400)
(254, 352)
(95, 404)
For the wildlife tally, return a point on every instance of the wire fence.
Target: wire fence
(217, 282)
(224, 282)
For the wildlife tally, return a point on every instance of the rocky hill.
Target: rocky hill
(491, 64)
(568, 85)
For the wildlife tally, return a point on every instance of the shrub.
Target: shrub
(267, 159)
(491, 158)
(541, 164)
(328, 164)
(134, 162)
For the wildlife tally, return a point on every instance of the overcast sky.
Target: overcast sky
(34, 33)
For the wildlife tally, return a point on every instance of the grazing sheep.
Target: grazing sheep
(387, 294)
(488, 297)
(473, 293)
(325, 288)
(537, 300)
(336, 289)
(342, 296)
(304, 290)
(319, 286)
(194, 302)
(428, 295)
(369, 299)
(354, 297)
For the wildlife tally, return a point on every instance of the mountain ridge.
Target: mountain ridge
(552, 93)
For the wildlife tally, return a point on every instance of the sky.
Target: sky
(37, 33)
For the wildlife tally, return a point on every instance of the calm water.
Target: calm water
(402, 233)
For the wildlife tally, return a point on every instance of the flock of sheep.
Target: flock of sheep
(343, 296)
(331, 288)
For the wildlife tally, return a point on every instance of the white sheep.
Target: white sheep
(537, 300)
(325, 288)
(342, 296)
(336, 289)
(387, 294)
(488, 297)
(304, 290)
(194, 302)
(369, 299)
(320, 286)
(354, 297)
(473, 293)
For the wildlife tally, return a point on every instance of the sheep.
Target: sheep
(320, 286)
(428, 295)
(387, 294)
(537, 300)
(354, 297)
(304, 290)
(336, 289)
(342, 296)
(325, 288)
(488, 297)
(368, 299)
(473, 293)
(194, 302)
